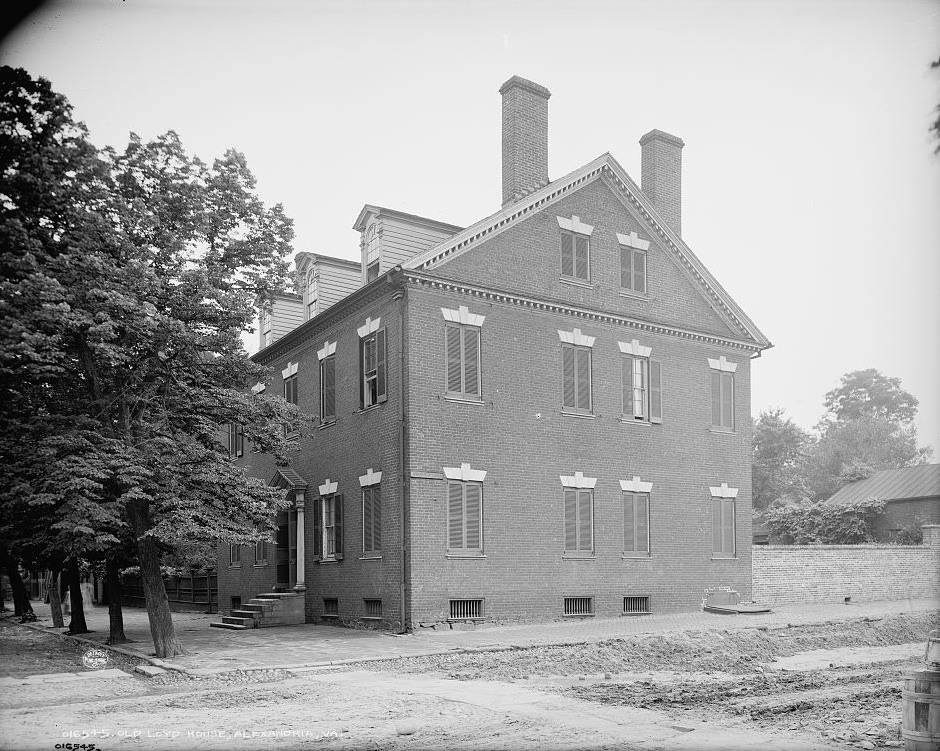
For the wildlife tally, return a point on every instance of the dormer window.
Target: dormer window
(310, 295)
(267, 337)
(372, 271)
(373, 255)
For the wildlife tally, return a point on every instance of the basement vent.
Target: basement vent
(330, 607)
(373, 608)
(579, 606)
(636, 606)
(464, 610)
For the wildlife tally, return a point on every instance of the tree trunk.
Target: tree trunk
(165, 642)
(115, 614)
(77, 623)
(55, 600)
(21, 604)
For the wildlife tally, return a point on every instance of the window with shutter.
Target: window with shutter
(290, 389)
(576, 378)
(641, 381)
(722, 400)
(633, 270)
(236, 439)
(331, 524)
(636, 523)
(579, 521)
(723, 527)
(234, 555)
(576, 256)
(328, 389)
(465, 517)
(371, 519)
(318, 529)
(373, 367)
(462, 356)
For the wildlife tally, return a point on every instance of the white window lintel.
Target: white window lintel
(257, 388)
(328, 348)
(369, 327)
(578, 480)
(636, 485)
(722, 364)
(724, 491)
(633, 241)
(635, 348)
(370, 478)
(574, 224)
(576, 337)
(464, 473)
(290, 370)
(328, 487)
(462, 315)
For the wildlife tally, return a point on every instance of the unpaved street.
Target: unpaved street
(683, 690)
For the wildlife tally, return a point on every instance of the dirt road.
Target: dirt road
(685, 690)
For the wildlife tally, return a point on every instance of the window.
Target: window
(579, 606)
(328, 524)
(328, 389)
(633, 270)
(330, 607)
(373, 609)
(372, 364)
(636, 523)
(579, 521)
(462, 354)
(722, 378)
(236, 439)
(261, 553)
(372, 271)
(636, 605)
(311, 294)
(465, 610)
(234, 555)
(372, 519)
(267, 337)
(723, 527)
(465, 517)
(642, 389)
(575, 256)
(576, 377)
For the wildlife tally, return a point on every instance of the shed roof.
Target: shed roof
(893, 484)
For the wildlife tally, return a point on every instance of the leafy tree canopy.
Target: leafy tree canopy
(780, 450)
(867, 394)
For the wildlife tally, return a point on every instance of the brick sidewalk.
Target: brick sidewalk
(308, 645)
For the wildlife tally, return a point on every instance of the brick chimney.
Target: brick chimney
(525, 138)
(662, 175)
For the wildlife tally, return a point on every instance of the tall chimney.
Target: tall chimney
(662, 175)
(525, 137)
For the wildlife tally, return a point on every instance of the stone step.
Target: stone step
(230, 626)
(276, 595)
(259, 606)
(245, 612)
(237, 621)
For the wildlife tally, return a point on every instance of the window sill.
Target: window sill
(465, 556)
(329, 560)
(372, 618)
(234, 565)
(370, 407)
(578, 557)
(576, 282)
(635, 295)
(330, 615)
(577, 615)
(636, 612)
(369, 557)
(722, 431)
(724, 558)
(457, 399)
(259, 565)
(636, 556)
(327, 423)
(581, 415)
(627, 420)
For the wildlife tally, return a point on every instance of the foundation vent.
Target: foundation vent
(579, 606)
(465, 610)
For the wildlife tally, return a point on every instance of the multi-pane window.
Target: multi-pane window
(576, 378)
(372, 271)
(372, 519)
(372, 358)
(633, 269)
(236, 439)
(465, 517)
(576, 256)
(636, 523)
(723, 526)
(311, 294)
(722, 400)
(261, 553)
(579, 521)
(328, 389)
(642, 389)
(234, 555)
(267, 336)
(463, 359)
(290, 389)
(328, 528)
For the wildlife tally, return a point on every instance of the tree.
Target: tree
(128, 278)
(867, 394)
(780, 449)
(808, 523)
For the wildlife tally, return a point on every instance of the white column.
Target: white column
(300, 586)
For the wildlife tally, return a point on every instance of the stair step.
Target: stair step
(236, 621)
(243, 613)
(256, 607)
(276, 595)
(230, 626)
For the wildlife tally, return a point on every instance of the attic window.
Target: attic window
(633, 262)
(372, 271)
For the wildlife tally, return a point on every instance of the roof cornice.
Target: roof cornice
(604, 166)
(555, 306)
(360, 223)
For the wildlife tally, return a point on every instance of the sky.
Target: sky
(811, 189)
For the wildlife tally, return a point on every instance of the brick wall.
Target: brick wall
(830, 573)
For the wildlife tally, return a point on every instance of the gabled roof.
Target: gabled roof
(605, 166)
(893, 484)
(285, 477)
(304, 257)
(360, 225)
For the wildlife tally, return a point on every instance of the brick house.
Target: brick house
(544, 414)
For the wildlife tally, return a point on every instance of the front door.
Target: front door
(286, 550)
